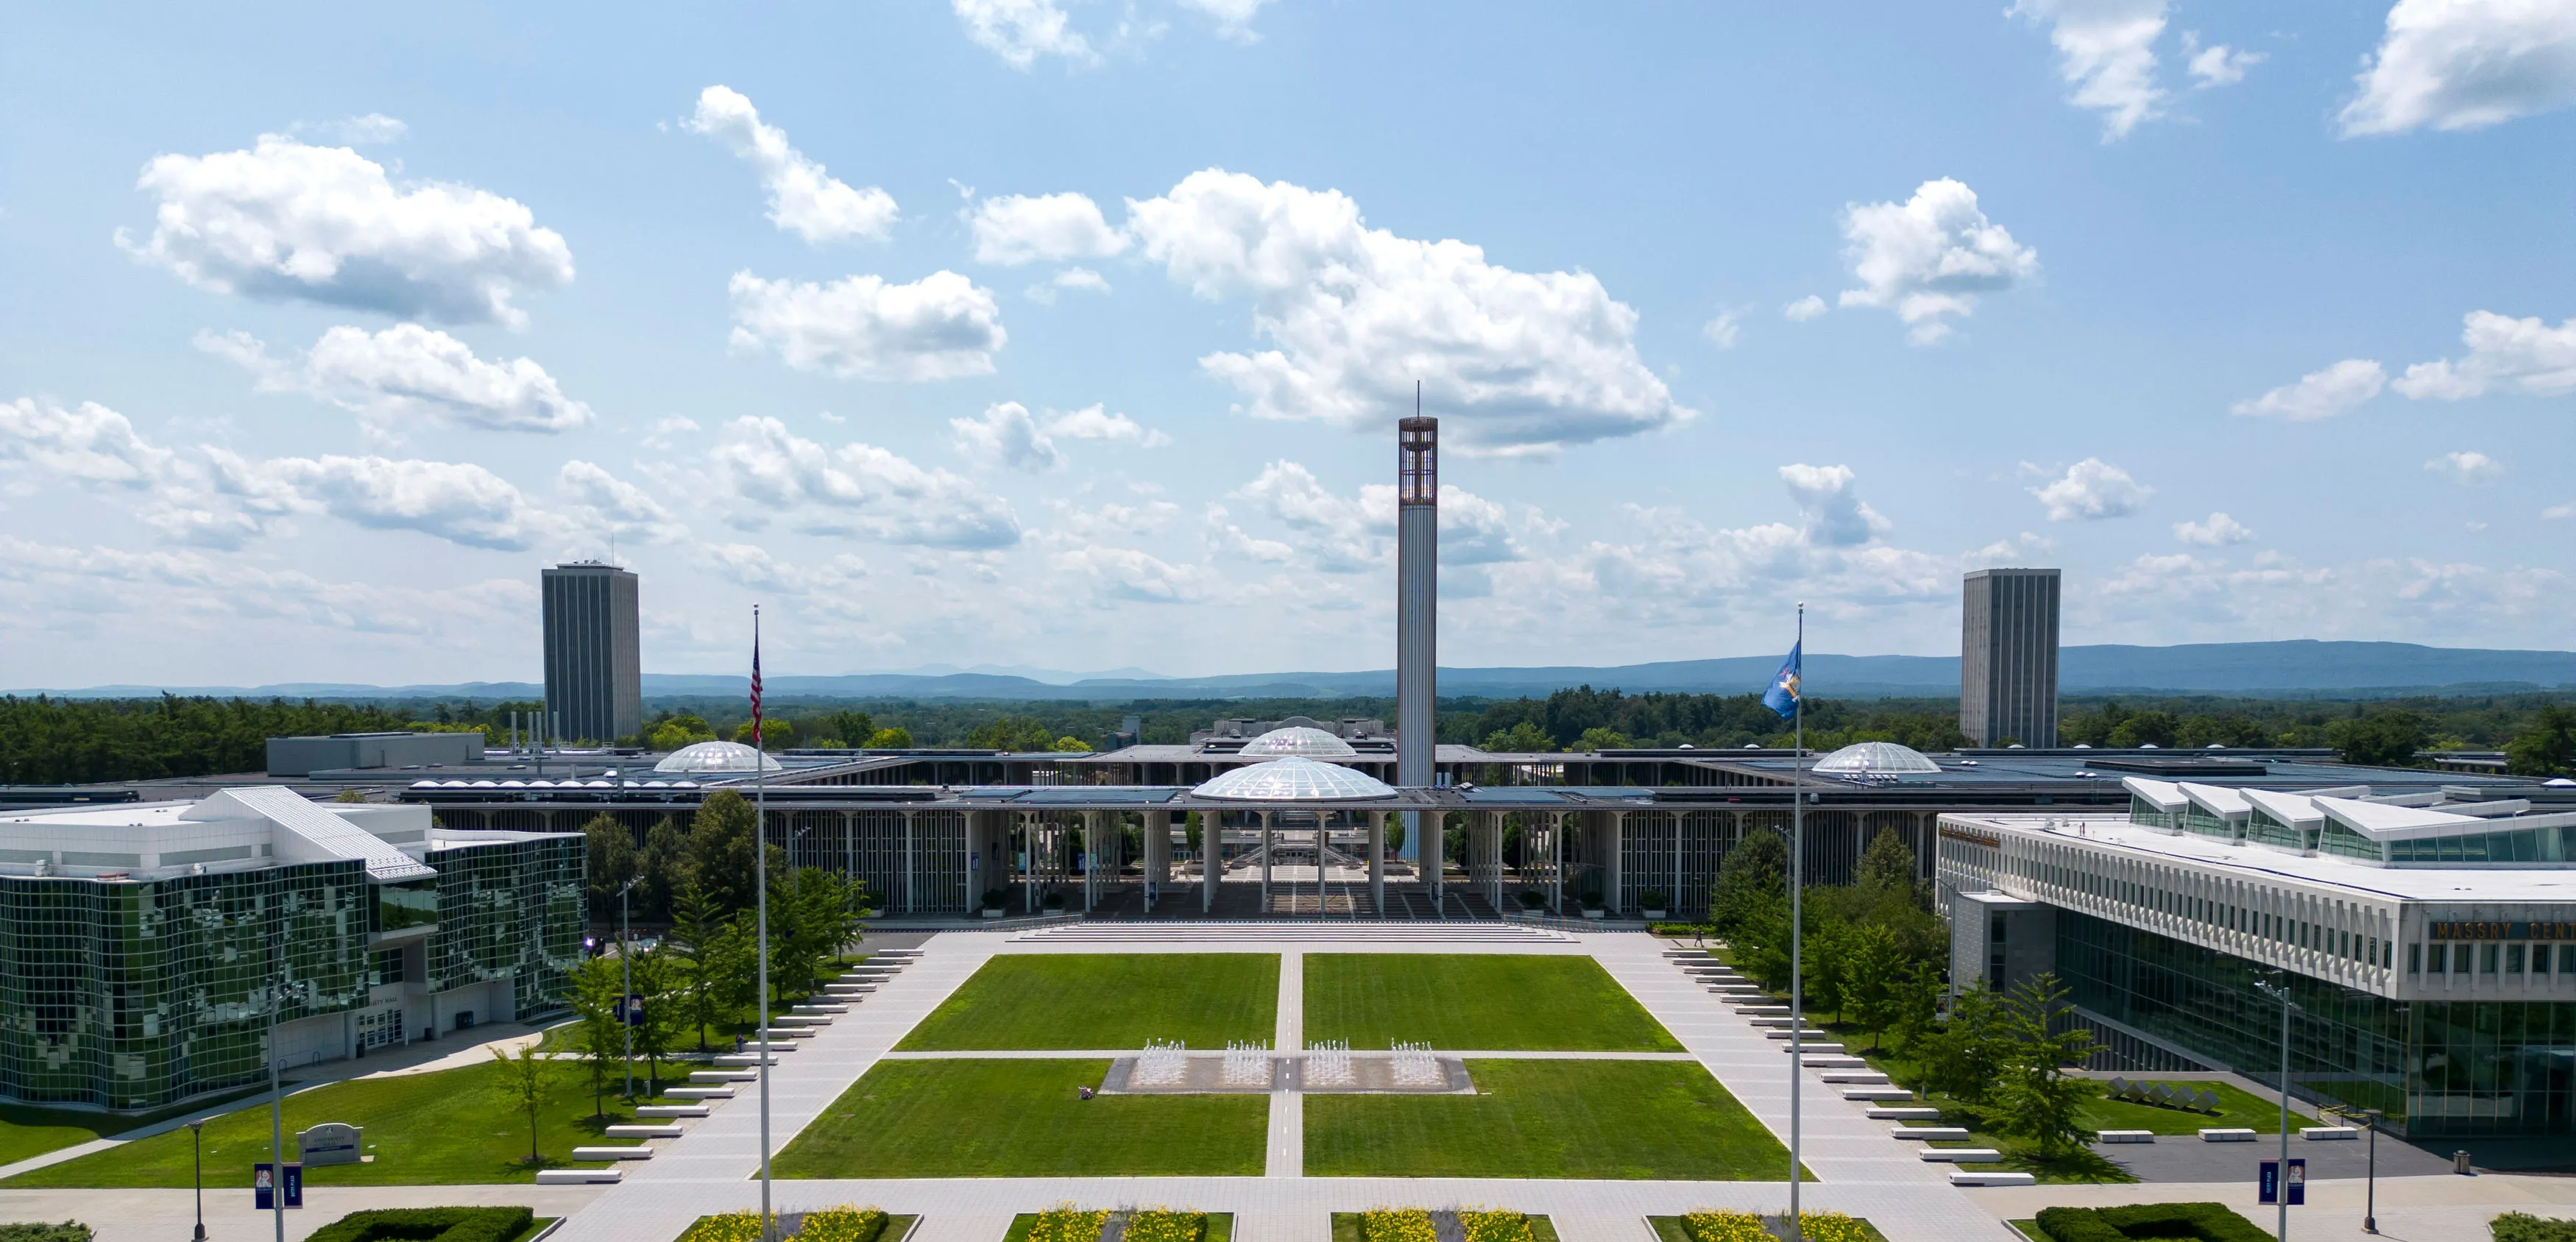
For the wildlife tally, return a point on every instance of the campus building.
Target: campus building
(2008, 657)
(155, 952)
(594, 652)
(2426, 938)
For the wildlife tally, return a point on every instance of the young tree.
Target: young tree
(1875, 974)
(612, 864)
(522, 1083)
(699, 934)
(1887, 866)
(1914, 1007)
(658, 979)
(1963, 1059)
(1751, 878)
(720, 856)
(663, 866)
(597, 992)
(2041, 1101)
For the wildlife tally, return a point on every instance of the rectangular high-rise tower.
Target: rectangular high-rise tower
(2008, 657)
(1417, 616)
(594, 652)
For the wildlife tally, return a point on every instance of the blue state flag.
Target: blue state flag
(1782, 697)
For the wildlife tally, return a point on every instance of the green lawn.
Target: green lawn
(2237, 1108)
(1106, 1000)
(30, 1131)
(1602, 1119)
(1022, 1119)
(1484, 1001)
(444, 1128)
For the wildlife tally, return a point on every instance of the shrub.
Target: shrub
(1067, 1223)
(2510, 1227)
(845, 1223)
(995, 899)
(1495, 1226)
(1532, 899)
(727, 1227)
(2208, 1222)
(68, 1231)
(1164, 1225)
(1397, 1225)
(1724, 1227)
(1651, 899)
(451, 1224)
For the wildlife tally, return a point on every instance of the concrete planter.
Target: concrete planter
(1652, 916)
(1594, 915)
(991, 914)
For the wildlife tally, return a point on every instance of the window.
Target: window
(2415, 959)
(2513, 954)
(2487, 958)
(2459, 959)
(2567, 959)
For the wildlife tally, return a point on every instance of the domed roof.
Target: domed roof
(706, 757)
(1875, 758)
(1298, 740)
(1294, 779)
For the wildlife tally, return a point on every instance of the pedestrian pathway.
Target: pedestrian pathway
(1286, 1154)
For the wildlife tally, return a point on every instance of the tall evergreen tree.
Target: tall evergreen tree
(720, 844)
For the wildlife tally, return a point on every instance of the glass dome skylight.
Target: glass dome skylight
(711, 757)
(1294, 779)
(1298, 740)
(1875, 758)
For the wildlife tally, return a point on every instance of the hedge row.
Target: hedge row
(449, 1224)
(2207, 1222)
(2525, 1227)
(68, 1231)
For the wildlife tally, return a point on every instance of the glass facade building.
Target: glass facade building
(169, 978)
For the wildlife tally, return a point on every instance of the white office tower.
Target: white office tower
(2008, 658)
(1417, 622)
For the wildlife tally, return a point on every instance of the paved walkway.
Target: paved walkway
(2441, 1208)
(715, 1167)
(170, 1215)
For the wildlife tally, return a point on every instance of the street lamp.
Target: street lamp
(197, 1131)
(626, 981)
(279, 991)
(2278, 987)
(2370, 1194)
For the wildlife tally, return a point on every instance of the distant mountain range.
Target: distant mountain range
(2300, 668)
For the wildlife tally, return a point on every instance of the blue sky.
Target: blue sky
(1038, 332)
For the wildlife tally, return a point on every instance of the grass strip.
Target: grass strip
(1587, 1119)
(1039, 1001)
(973, 1118)
(1484, 1001)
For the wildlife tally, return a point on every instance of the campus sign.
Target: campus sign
(2504, 931)
(331, 1142)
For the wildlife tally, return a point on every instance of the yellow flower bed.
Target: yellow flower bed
(1830, 1227)
(846, 1223)
(1165, 1225)
(1495, 1226)
(1067, 1223)
(1725, 1227)
(728, 1227)
(1397, 1225)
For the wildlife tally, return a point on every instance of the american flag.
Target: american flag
(755, 675)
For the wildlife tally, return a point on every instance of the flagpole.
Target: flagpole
(1797, 892)
(760, 873)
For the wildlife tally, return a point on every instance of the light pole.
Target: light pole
(2278, 987)
(2370, 1188)
(277, 1103)
(626, 981)
(197, 1132)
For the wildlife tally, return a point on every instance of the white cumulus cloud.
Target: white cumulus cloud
(460, 502)
(1233, 17)
(1833, 512)
(1804, 309)
(856, 489)
(938, 327)
(1516, 362)
(1931, 256)
(89, 443)
(2091, 489)
(2524, 356)
(1048, 228)
(1020, 31)
(2217, 64)
(1722, 331)
(1008, 434)
(605, 504)
(803, 198)
(2106, 52)
(2466, 468)
(288, 221)
(2218, 530)
(2466, 64)
(1092, 422)
(408, 374)
(2318, 394)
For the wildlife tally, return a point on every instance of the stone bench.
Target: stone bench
(1902, 1112)
(1858, 1078)
(1873, 1094)
(1818, 1047)
(698, 1093)
(739, 1059)
(638, 1152)
(818, 1009)
(777, 1033)
(1832, 1062)
(577, 1177)
(1960, 1155)
(724, 1075)
(670, 1110)
(1972, 1177)
(1932, 1134)
(644, 1132)
(2128, 1136)
(1782, 1032)
(2225, 1135)
(2326, 1133)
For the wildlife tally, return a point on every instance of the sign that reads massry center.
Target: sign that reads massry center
(2504, 931)
(331, 1142)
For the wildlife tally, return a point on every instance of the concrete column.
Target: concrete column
(1211, 856)
(1090, 857)
(1322, 838)
(1556, 862)
(1614, 826)
(1265, 862)
(1673, 899)
(1489, 826)
(1158, 849)
(1377, 862)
